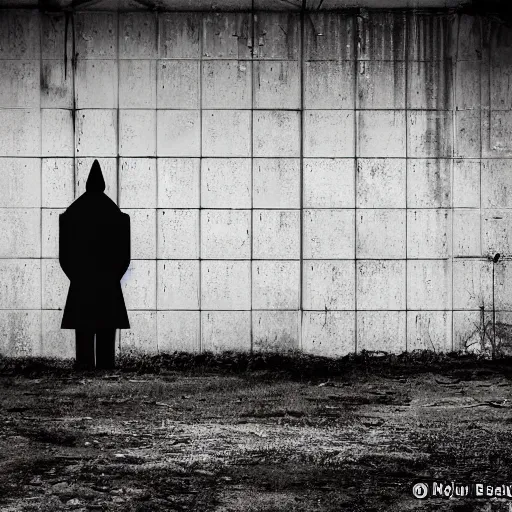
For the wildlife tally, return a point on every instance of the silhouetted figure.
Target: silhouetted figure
(94, 253)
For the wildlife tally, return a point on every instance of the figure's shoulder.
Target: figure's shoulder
(75, 206)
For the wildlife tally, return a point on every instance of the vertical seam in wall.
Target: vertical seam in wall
(200, 216)
(480, 74)
(251, 129)
(301, 177)
(41, 188)
(118, 116)
(155, 65)
(73, 90)
(355, 64)
(406, 100)
(452, 167)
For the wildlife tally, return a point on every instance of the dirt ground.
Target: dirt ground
(253, 440)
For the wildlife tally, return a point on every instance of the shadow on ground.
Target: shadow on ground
(252, 433)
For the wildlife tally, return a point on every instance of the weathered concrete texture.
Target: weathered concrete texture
(328, 182)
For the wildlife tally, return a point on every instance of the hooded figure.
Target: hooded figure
(94, 253)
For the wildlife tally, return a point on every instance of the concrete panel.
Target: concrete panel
(178, 284)
(20, 333)
(227, 84)
(226, 234)
(178, 84)
(381, 36)
(20, 132)
(429, 330)
(430, 134)
(430, 85)
(137, 132)
(55, 285)
(381, 183)
(468, 88)
(108, 169)
(56, 42)
(329, 234)
(19, 34)
(276, 36)
(276, 183)
(142, 233)
(21, 230)
(139, 285)
(178, 182)
(500, 90)
(429, 233)
(328, 133)
(276, 133)
(20, 182)
(467, 331)
(96, 133)
(20, 284)
(276, 234)
(178, 331)
(179, 35)
(178, 133)
(466, 183)
(96, 83)
(502, 286)
(329, 36)
(50, 232)
(467, 233)
(226, 285)
(142, 335)
(430, 36)
(225, 330)
(496, 232)
(381, 331)
(178, 234)
(472, 284)
(330, 333)
(137, 187)
(96, 35)
(329, 85)
(277, 85)
(137, 35)
(137, 83)
(56, 342)
(467, 134)
(226, 183)
(497, 134)
(275, 284)
(381, 133)
(227, 35)
(381, 234)
(429, 284)
(496, 183)
(226, 133)
(470, 37)
(429, 183)
(380, 84)
(276, 331)
(57, 132)
(56, 84)
(19, 84)
(328, 183)
(329, 285)
(380, 285)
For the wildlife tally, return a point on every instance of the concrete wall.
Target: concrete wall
(323, 181)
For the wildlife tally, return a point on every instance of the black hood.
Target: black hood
(95, 181)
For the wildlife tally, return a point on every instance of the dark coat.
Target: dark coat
(94, 253)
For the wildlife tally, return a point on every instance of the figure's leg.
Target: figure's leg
(84, 349)
(105, 348)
